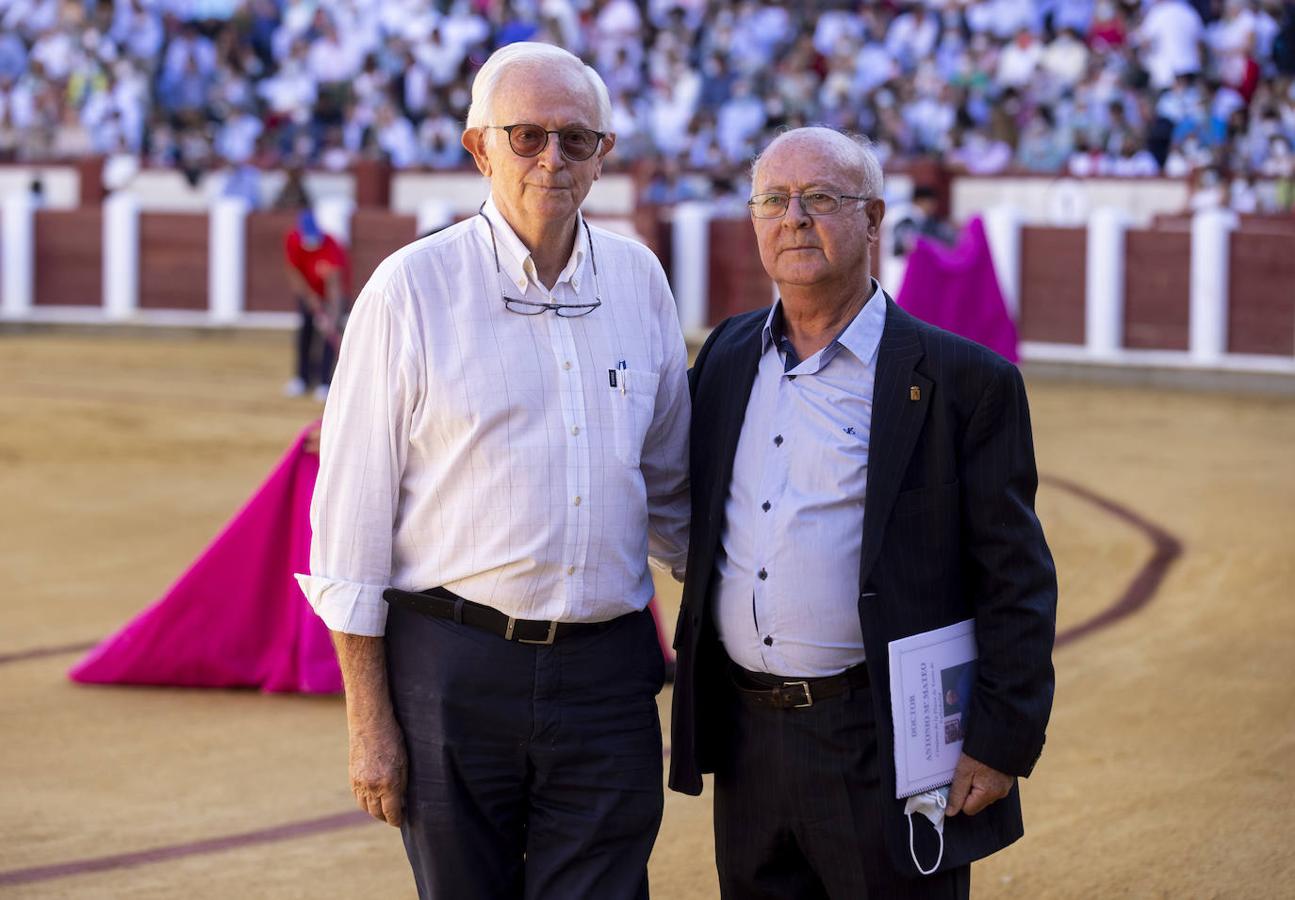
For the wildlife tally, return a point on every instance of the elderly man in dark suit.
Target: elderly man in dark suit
(862, 477)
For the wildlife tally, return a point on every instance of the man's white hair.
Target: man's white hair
(537, 55)
(854, 152)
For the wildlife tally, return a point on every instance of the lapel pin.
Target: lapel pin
(914, 393)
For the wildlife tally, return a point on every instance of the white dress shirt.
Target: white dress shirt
(470, 447)
(787, 598)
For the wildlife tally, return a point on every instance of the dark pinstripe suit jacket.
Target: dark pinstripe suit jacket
(949, 533)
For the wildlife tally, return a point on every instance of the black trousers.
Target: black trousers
(798, 806)
(315, 354)
(534, 772)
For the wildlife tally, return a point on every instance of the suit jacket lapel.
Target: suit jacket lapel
(898, 412)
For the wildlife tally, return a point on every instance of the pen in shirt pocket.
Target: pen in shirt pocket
(624, 375)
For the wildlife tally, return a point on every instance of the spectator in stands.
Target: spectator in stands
(30, 18)
(1065, 60)
(8, 131)
(438, 138)
(183, 94)
(1019, 60)
(978, 152)
(912, 36)
(1043, 147)
(395, 137)
(1109, 28)
(189, 50)
(238, 135)
(740, 118)
(323, 69)
(319, 275)
(1130, 160)
(13, 56)
(1168, 41)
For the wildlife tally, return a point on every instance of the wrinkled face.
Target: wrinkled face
(547, 188)
(799, 249)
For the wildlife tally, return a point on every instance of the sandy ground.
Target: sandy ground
(1168, 760)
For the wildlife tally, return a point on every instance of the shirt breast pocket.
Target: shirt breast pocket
(633, 401)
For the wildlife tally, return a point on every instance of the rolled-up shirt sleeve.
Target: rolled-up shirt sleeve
(363, 448)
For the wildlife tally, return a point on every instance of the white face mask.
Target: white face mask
(930, 804)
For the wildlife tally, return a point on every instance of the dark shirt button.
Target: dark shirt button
(765, 506)
(777, 440)
(768, 642)
(791, 377)
(762, 574)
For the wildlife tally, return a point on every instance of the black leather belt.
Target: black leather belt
(776, 692)
(438, 603)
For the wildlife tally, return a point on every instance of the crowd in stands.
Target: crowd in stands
(1122, 87)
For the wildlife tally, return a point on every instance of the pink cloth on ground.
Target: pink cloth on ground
(237, 618)
(955, 288)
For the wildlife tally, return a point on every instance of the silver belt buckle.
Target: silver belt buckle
(548, 638)
(809, 698)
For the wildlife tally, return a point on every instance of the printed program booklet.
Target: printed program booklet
(931, 678)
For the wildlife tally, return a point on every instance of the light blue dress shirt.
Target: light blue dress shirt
(787, 593)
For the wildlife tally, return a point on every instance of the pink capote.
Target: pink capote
(956, 289)
(237, 617)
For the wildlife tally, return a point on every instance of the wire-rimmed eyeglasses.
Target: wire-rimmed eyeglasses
(532, 308)
(815, 203)
(576, 144)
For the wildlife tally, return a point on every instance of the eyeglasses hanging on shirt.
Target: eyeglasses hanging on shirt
(532, 308)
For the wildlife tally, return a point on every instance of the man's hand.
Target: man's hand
(378, 770)
(378, 765)
(975, 786)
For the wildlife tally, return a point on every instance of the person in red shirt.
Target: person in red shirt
(319, 273)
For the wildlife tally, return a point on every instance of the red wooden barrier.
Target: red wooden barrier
(1261, 292)
(375, 235)
(1053, 281)
(737, 281)
(172, 261)
(1157, 285)
(267, 279)
(69, 257)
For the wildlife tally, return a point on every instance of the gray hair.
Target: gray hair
(531, 53)
(853, 151)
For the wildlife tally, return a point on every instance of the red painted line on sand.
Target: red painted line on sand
(1145, 583)
(304, 828)
(1136, 595)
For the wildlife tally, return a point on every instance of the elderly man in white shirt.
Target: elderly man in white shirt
(505, 440)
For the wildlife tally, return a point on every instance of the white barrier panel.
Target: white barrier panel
(1104, 291)
(1003, 229)
(227, 259)
(1208, 332)
(120, 256)
(333, 214)
(690, 233)
(18, 244)
(891, 266)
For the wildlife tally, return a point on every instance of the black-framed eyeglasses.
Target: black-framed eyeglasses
(815, 203)
(531, 307)
(576, 144)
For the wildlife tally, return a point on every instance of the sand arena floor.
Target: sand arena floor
(1168, 763)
